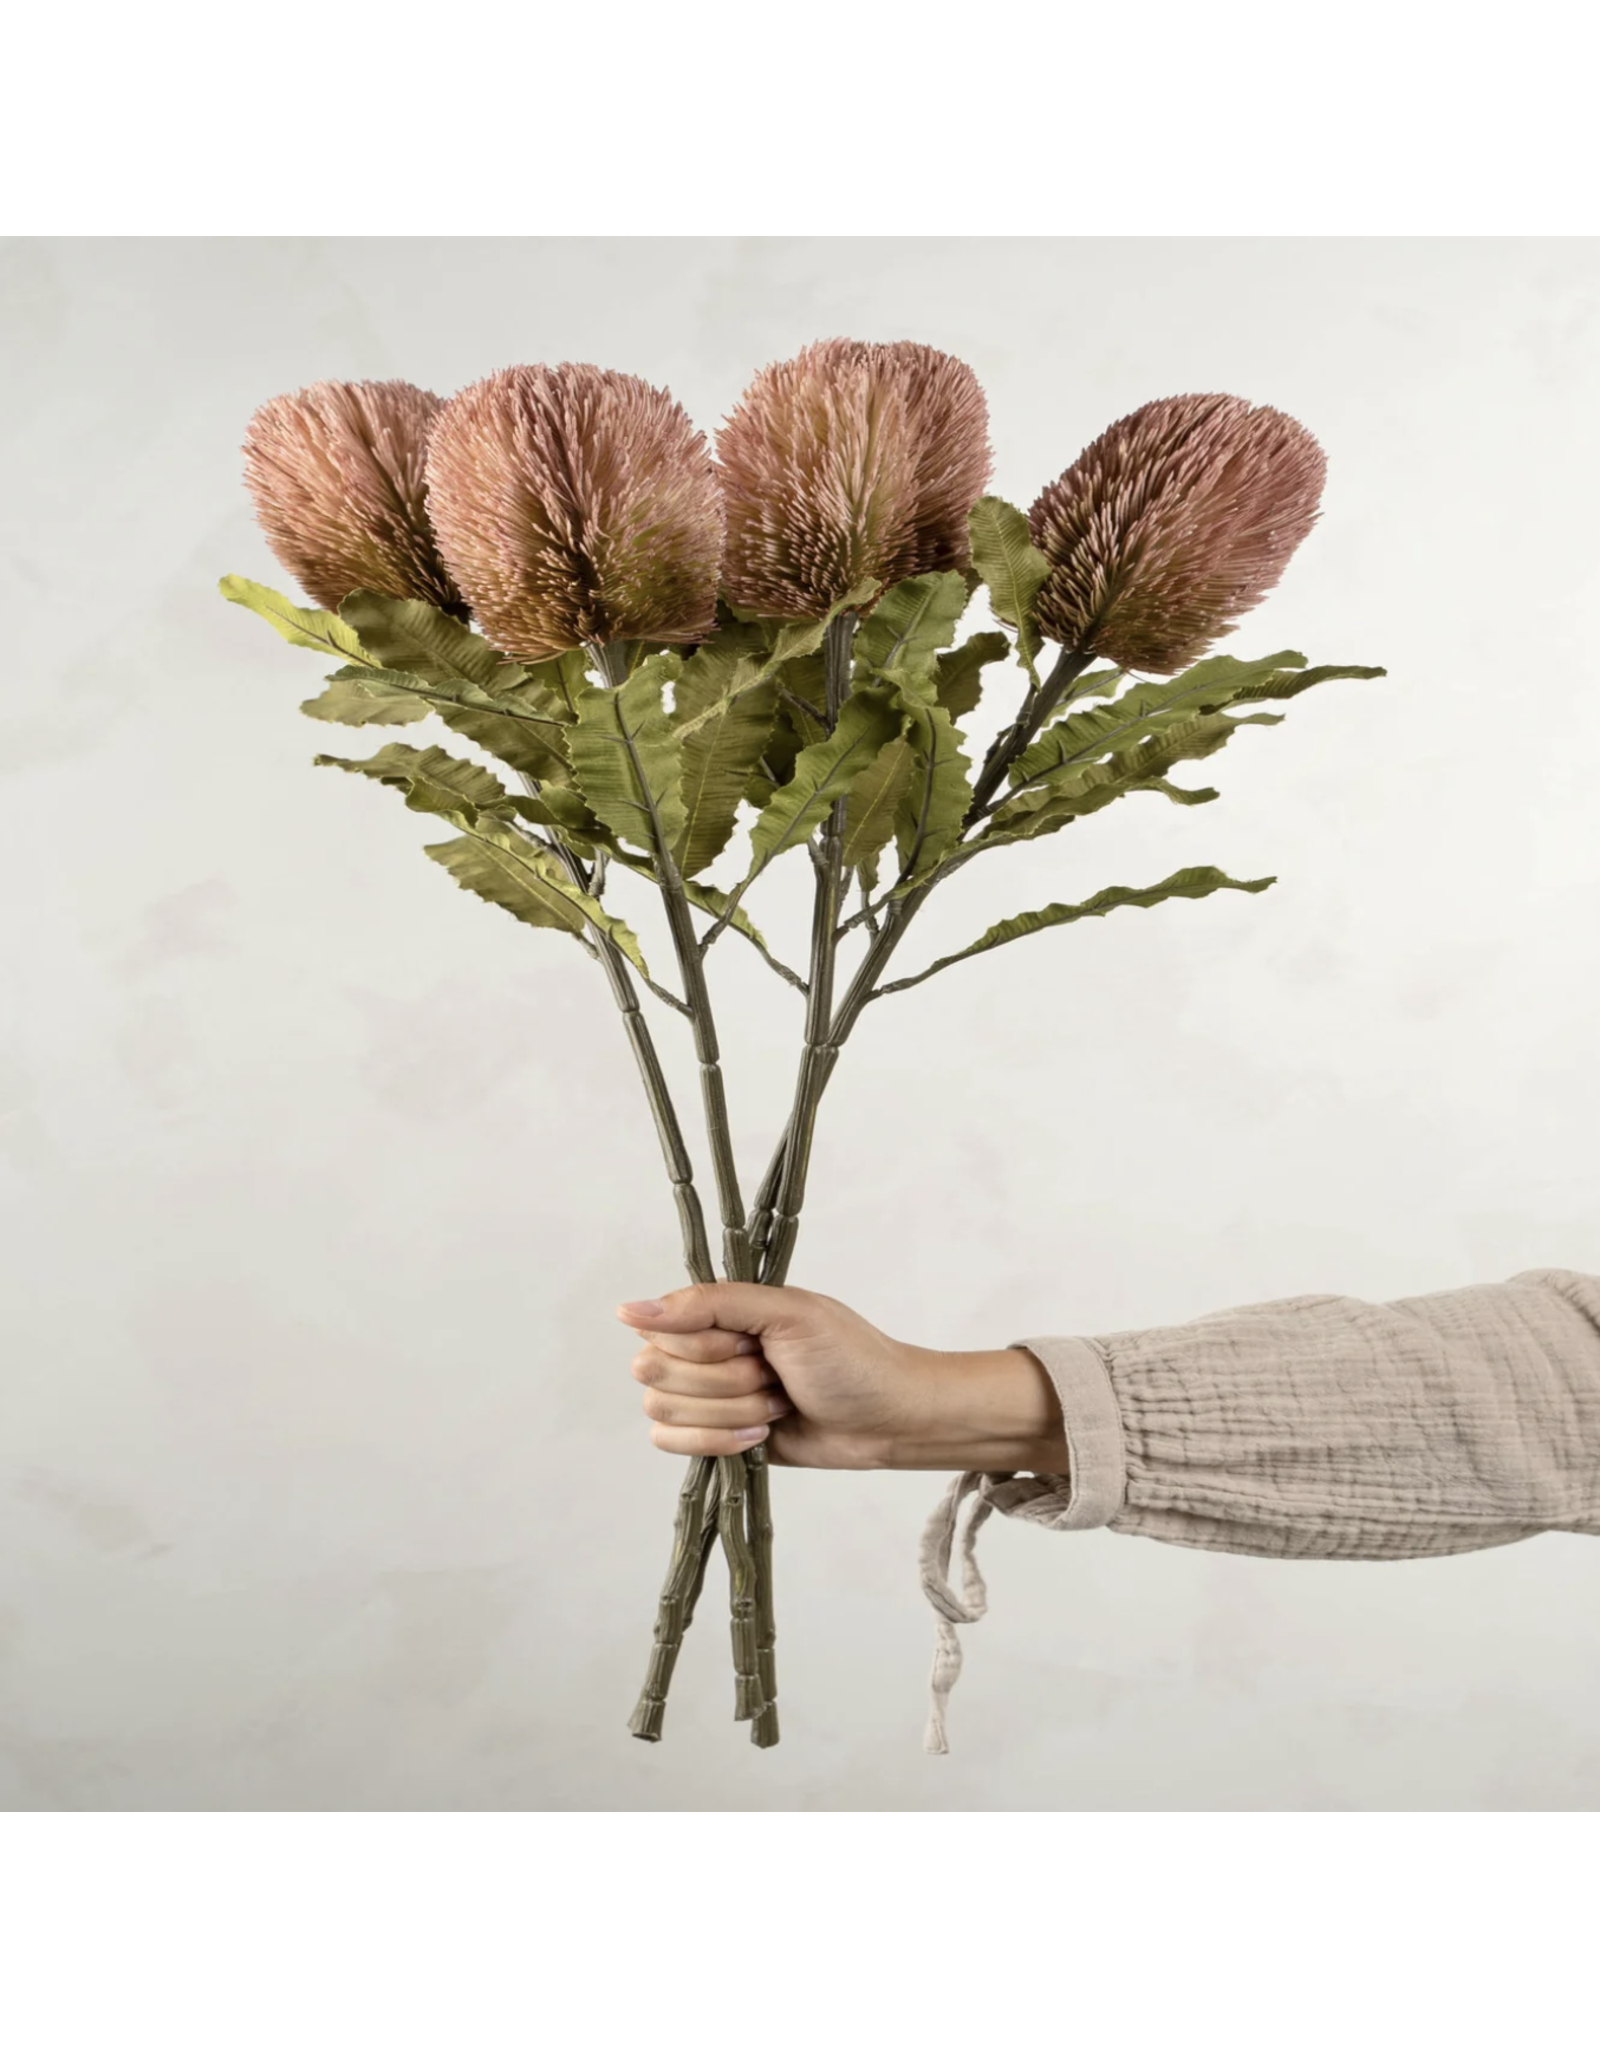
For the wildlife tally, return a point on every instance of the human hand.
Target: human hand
(731, 1364)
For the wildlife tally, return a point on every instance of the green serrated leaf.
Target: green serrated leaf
(824, 773)
(935, 804)
(793, 639)
(1194, 882)
(752, 653)
(910, 623)
(806, 680)
(1176, 793)
(529, 881)
(530, 744)
(568, 814)
(1098, 682)
(1292, 683)
(515, 713)
(874, 799)
(1147, 708)
(797, 636)
(730, 661)
(323, 631)
(361, 696)
(720, 751)
(1074, 790)
(555, 684)
(404, 633)
(565, 812)
(777, 761)
(1012, 569)
(433, 781)
(629, 760)
(959, 674)
(859, 594)
(714, 902)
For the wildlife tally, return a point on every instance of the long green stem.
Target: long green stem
(1036, 708)
(680, 1168)
(778, 1213)
(797, 1135)
(732, 1494)
(693, 1534)
(697, 1515)
(764, 1728)
(748, 1698)
(697, 1519)
(736, 1244)
(778, 1203)
(766, 1195)
(743, 1477)
(819, 1053)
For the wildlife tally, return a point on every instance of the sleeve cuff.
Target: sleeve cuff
(1092, 1491)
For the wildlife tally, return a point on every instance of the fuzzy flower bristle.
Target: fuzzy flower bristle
(1179, 518)
(337, 472)
(853, 461)
(576, 505)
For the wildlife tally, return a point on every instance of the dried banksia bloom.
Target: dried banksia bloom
(337, 475)
(1176, 520)
(576, 505)
(852, 461)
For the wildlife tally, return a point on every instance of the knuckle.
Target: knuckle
(657, 1406)
(645, 1367)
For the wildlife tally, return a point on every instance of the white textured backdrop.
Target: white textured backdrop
(322, 1483)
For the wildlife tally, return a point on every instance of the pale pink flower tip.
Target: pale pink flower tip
(576, 505)
(854, 461)
(1179, 518)
(337, 475)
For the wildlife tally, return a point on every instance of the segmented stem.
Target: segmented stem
(693, 1533)
(748, 1697)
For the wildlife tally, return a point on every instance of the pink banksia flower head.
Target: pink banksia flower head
(853, 461)
(1179, 518)
(576, 505)
(337, 472)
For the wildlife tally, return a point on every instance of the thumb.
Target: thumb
(739, 1305)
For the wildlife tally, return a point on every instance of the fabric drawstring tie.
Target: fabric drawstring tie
(953, 1609)
(1087, 1497)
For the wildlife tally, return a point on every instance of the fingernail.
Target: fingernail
(646, 1311)
(779, 1405)
(750, 1436)
(747, 1344)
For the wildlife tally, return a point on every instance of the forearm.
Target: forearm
(978, 1411)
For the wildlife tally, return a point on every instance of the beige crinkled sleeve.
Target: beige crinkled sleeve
(1317, 1427)
(1325, 1426)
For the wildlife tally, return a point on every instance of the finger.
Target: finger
(689, 1411)
(705, 1347)
(717, 1305)
(704, 1443)
(653, 1367)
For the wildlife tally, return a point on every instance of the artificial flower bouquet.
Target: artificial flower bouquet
(678, 660)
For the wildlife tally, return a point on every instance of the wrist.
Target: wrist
(980, 1411)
